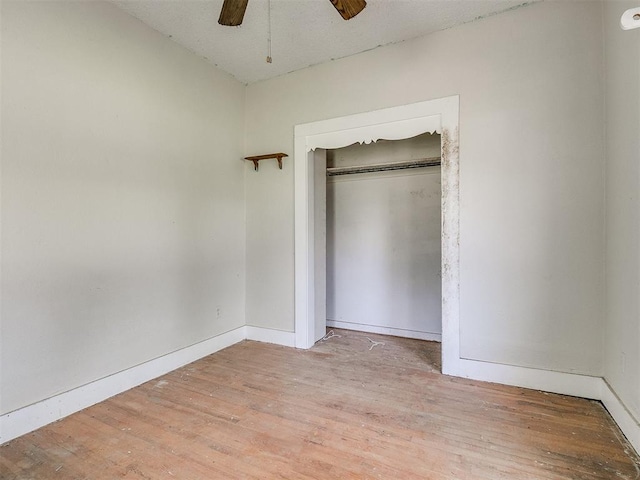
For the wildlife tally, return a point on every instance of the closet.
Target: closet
(384, 237)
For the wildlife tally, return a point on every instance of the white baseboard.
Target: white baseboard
(583, 386)
(32, 417)
(267, 335)
(396, 332)
(627, 423)
(546, 380)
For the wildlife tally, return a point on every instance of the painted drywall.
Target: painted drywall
(383, 239)
(622, 119)
(531, 176)
(122, 197)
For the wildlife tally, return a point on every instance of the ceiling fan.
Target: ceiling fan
(232, 11)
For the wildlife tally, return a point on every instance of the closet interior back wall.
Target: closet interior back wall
(383, 239)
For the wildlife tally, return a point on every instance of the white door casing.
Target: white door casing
(396, 123)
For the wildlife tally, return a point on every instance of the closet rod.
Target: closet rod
(384, 167)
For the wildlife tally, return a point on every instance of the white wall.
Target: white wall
(622, 69)
(531, 177)
(122, 197)
(383, 240)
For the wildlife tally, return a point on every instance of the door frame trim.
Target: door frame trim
(395, 123)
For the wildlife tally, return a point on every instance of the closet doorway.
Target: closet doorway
(394, 123)
(383, 237)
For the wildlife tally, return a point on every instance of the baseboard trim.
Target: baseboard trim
(548, 381)
(625, 420)
(268, 335)
(396, 332)
(32, 417)
(584, 386)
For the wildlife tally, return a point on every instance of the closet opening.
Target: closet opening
(384, 237)
(311, 142)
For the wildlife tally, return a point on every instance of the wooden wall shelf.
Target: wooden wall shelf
(255, 159)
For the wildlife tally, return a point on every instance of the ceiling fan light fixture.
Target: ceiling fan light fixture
(232, 12)
(349, 8)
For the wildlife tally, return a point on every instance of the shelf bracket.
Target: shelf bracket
(278, 156)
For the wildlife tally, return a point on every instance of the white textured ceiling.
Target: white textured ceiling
(303, 32)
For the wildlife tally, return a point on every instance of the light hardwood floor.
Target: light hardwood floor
(342, 410)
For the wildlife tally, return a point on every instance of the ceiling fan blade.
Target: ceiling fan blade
(349, 8)
(232, 12)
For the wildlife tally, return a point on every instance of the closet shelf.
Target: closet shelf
(255, 159)
(384, 167)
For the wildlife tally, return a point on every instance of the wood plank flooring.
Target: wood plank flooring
(346, 409)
